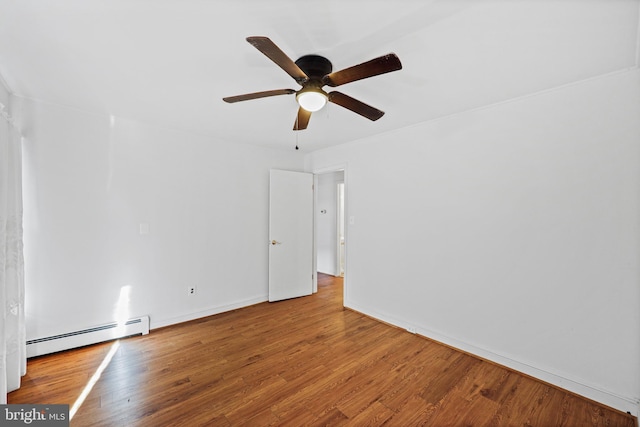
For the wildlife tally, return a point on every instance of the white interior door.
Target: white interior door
(291, 234)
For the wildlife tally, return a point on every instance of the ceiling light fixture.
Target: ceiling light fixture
(311, 98)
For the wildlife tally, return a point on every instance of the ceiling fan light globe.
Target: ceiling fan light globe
(311, 100)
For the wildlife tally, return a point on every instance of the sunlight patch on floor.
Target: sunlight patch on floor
(94, 379)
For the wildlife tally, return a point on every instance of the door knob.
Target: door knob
(275, 242)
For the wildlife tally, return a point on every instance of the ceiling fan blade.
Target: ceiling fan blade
(256, 95)
(302, 120)
(381, 65)
(273, 52)
(356, 106)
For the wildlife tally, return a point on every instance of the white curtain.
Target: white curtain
(13, 361)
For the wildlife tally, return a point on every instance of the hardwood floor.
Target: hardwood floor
(301, 362)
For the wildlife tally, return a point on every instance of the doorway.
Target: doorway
(340, 218)
(330, 222)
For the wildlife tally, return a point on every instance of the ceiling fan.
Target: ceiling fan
(313, 72)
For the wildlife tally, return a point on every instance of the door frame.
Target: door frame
(319, 171)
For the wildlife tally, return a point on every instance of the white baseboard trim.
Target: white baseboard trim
(334, 274)
(595, 393)
(160, 323)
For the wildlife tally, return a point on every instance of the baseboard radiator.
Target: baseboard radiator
(69, 340)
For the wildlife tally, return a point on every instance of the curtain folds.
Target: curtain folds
(13, 361)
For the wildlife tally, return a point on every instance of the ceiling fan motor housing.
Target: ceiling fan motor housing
(315, 66)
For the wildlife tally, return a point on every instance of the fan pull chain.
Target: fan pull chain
(297, 132)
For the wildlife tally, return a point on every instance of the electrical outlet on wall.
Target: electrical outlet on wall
(191, 290)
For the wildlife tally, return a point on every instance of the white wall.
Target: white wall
(511, 232)
(326, 223)
(90, 181)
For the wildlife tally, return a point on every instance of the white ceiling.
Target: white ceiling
(170, 62)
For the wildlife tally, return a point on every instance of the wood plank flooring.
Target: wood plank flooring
(301, 362)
